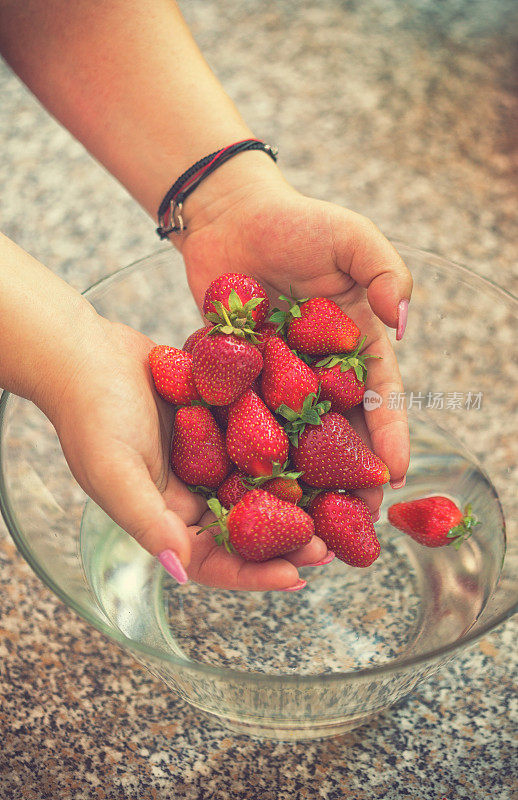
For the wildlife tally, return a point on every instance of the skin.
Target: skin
(134, 89)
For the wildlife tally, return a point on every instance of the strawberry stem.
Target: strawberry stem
(283, 318)
(221, 538)
(348, 361)
(464, 529)
(312, 410)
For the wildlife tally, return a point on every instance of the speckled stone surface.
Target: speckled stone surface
(408, 114)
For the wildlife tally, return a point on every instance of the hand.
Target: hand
(318, 249)
(115, 433)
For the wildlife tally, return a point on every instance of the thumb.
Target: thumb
(132, 500)
(373, 263)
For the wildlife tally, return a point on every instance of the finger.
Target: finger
(133, 501)
(373, 497)
(368, 257)
(386, 422)
(213, 565)
(309, 555)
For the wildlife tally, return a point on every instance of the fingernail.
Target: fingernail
(326, 560)
(173, 565)
(402, 316)
(376, 516)
(296, 586)
(398, 484)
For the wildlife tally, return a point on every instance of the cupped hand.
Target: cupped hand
(115, 432)
(314, 248)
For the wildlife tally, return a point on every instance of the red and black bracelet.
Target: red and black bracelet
(170, 218)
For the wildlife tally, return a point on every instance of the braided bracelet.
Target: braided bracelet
(170, 218)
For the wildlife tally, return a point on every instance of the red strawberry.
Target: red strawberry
(264, 333)
(433, 521)
(342, 378)
(344, 523)
(198, 454)
(261, 526)
(233, 489)
(341, 388)
(194, 338)
(285, 379)
(247, 304)
(319, 327)
(224, 366)
(287, 489)
(172, 373)
(332, 456)
(255, 440)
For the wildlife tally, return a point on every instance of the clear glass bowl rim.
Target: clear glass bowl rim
(142, 651)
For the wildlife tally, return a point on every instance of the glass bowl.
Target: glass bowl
(317, 662)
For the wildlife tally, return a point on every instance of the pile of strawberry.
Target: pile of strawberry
(260, 426)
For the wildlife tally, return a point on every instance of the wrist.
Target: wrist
(77, 333)
(242, 177)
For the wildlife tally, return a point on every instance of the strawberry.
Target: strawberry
(283, 485)
(224, 366)
(240, 296)
(255, 440)
(433, 521)
(194, 338)
(261, 526)
(264, 333)
(317, 327)
(342, 378)
(233, 488)
(198, 454)
(332, 456)
(344, 523)
(287, 489)
(172, 373)
(285, 379)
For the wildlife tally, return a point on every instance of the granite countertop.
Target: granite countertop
(407, 113)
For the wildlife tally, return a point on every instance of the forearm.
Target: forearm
(44, 323)
(127, 79)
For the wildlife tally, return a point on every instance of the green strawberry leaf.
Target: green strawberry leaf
(464, 529)
(234, 301)
(253, 303)
(203, 490)
(287, 412)
(216, 507)
(213, 317)
(359, 370)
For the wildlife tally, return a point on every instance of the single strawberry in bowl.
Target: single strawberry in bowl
(198, 454)
(260, 526)
(333, 456)
(172, 374)
(316, 327)
(342, 378)
(254, 439)
(433, 521)
(224, 366)
(344, 523)
(192, 340)
(236, 298)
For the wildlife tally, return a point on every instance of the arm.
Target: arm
(127, 79)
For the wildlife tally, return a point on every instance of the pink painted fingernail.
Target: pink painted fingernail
(402, 316)
(173, 565)
(376, 516)
(326, 560)
(296, 586)
(398, 484)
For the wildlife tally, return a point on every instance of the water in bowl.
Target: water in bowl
(412, 600)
